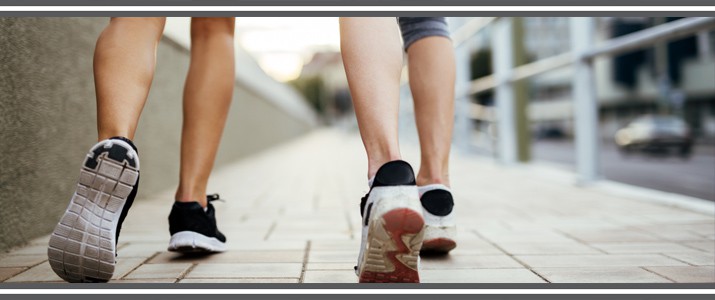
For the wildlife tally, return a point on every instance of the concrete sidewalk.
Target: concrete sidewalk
(291, 215)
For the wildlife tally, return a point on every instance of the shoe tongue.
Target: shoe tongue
(189, 205)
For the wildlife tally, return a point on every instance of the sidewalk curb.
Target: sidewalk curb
(555, 172)
(649, 195)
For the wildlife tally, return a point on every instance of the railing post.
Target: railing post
(503, 63)
(585, 103)
(704, 42)
(463, 123)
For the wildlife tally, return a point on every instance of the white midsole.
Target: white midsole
(440, 227)
(190, 239)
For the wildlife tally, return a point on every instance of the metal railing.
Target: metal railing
(580, 58)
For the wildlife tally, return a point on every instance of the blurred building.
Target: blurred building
(674, 78)
(324, 84)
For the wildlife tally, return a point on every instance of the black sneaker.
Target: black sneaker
(193, 229)
(83, 245)
(393, 227)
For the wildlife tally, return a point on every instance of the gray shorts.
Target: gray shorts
(414, 29)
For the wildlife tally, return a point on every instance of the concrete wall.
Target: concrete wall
(47, 119)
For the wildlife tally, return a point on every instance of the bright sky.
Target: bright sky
(280, 45)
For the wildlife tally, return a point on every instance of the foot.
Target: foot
(193, 229)
(392, 227)
(440, 225)
(84, 243)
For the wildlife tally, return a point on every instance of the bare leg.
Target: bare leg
(371, 51)
(207, 96)
(432, 75)
(124, 62)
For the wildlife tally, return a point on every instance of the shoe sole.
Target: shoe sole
(193, 242)
(438, 246)
(440, 234)
(83, 245)
(393, 248)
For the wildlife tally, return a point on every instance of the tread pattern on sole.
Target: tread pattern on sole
(82, 246)
(393, 248)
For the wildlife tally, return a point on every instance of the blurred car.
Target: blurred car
(655, 134)
(550, 133)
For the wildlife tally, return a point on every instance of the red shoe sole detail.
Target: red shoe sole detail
(397, 223)
(438, 245)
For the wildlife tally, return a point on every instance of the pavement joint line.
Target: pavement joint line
(27, 268)
(186, 272)
(256, 202)
(680, 260)
(694, 248)
(350, 225)
(525, 265)
(146, 261)
(270, 230)
(505, 224)
(580, 241)
(656, 273)
(517, 211)
(305, 261)
(655, 235)
(18, 273)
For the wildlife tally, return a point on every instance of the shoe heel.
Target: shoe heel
(393, 254)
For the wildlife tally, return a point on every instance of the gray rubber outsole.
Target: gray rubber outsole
(83, 245)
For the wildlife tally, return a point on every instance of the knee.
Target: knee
(204, 27)
(414, 29)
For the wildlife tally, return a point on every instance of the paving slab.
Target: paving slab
(6, 273)
(450, 262)
(688, 274)
(643, 247)
(480, 276)
(600, 275)
(330, 276)
(348, 266)
(246, 270)
(571, 247)
(240, 280)
(237, 256)
(596, 260)
(18, 259)
(39, 273)
(695, 258)
(159, 271)
(291, 215)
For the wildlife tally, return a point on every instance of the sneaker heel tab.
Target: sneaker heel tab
(126, 140)
(438, 202)
(397, 172)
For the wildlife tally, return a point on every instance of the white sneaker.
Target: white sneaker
(392, 227)
(440, 222)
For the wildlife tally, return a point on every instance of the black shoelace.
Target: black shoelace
(214, 197)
